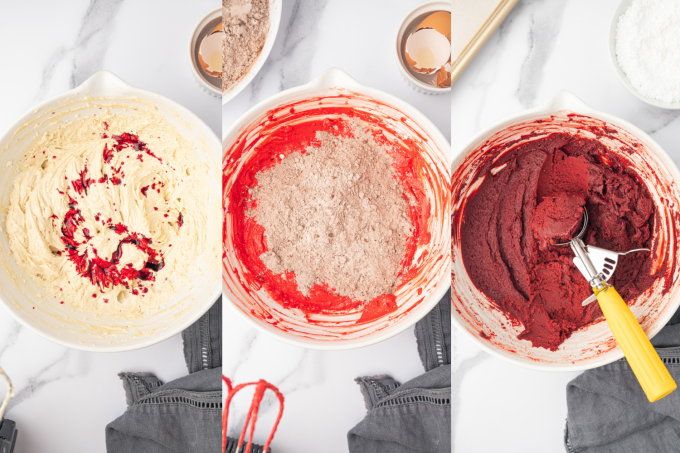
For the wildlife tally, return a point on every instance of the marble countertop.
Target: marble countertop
(65, 397)
(322, 400)
(542, 47)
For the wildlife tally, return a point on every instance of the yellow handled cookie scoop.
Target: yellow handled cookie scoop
(597, 265)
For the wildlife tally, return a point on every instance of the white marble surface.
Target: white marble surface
(541, 48)
(65, 397)
(322, 400)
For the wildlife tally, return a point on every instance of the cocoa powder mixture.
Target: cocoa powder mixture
(245, 24)
(335, 214)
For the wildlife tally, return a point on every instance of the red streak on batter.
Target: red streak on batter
(101, 272)
(274, 140)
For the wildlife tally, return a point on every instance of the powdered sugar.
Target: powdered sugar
(648, 48)
(335, 215)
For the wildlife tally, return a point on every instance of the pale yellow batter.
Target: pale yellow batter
(136, 218)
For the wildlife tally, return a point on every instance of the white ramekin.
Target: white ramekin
(196, 70)
(416, 15)
(57, 322)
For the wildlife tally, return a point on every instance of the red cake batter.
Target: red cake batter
(532, 197)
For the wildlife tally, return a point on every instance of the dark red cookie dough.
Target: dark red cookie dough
(533, 197)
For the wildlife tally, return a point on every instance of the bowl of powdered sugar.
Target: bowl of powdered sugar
(644, 44)
(336, 229)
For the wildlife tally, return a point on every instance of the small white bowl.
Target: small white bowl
(212, 85)
(407, 27)
(275, 7)
(593, 345)
(20, 294)
(623, 6)
(416, 297)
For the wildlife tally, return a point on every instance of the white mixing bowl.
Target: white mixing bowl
(416, 297)
(57, 322)
(593, 345)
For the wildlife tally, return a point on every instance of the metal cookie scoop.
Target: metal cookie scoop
(597, 265)
(602, 262)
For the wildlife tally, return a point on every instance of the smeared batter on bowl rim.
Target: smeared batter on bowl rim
(107, 212)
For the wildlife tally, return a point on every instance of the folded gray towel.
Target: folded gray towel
(182, 415)
(609, 412)
(415, 416)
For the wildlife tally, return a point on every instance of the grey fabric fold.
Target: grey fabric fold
(182, 415)
(414, 416)
(609, 413)
(433, 334)
(203, 340)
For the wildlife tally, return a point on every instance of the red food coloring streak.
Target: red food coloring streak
(106, 301)
(81, 184)
(108, 153)
(102, 272)
(127, 140)
(180, 221)
(119, 228)
(105, 273)
(144, 190)
(106, 125)
(94, 296)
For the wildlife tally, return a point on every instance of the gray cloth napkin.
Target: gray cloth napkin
(415, 416)
(180, 416)
(609, 412)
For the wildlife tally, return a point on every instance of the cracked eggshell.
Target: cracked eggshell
(429, 47)
(210, 52)
(440, 21)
